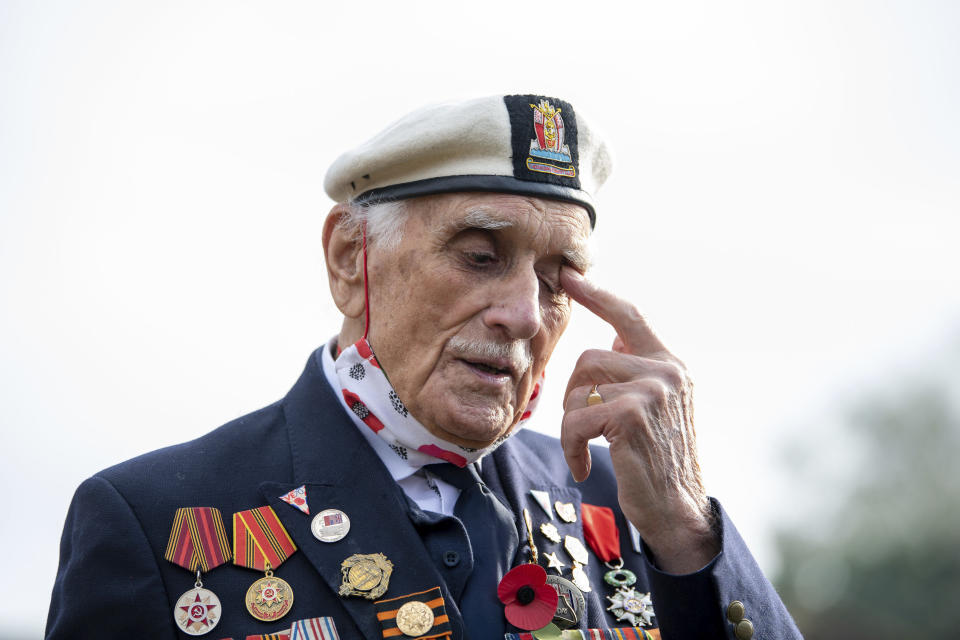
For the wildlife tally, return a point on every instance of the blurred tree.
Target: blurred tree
(880, 557)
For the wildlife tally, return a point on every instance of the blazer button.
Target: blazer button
(736, 611)
(451, 558)
(743, 630)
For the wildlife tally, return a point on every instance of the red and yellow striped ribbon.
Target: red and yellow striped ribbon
(259, 540)
(198, 539)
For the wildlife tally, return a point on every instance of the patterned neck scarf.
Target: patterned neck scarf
(369, 395)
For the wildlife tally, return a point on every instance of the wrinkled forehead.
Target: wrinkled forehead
(554, 226)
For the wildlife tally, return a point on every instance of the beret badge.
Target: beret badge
(549, 142)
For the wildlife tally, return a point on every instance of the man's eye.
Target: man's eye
(553, 288)
(481, 258)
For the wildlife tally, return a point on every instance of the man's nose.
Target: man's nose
(515, 309)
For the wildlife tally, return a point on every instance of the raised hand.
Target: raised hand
(647, 417)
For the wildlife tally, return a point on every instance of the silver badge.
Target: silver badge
(571, 605)
(330, 525)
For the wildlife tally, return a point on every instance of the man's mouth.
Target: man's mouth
(487, 368)
(495, 361)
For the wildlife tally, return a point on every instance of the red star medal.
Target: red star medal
(198, 542)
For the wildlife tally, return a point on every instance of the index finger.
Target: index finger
(631, 327)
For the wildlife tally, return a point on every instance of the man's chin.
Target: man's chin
(475, 427)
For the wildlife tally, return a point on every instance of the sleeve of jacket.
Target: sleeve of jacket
(698, 605)
(108, 583)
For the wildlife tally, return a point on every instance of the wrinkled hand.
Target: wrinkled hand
(647, 417)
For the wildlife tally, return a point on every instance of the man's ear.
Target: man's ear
(344, 256)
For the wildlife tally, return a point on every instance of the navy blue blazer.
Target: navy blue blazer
(113, 579)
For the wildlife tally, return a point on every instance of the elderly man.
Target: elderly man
(393, 492)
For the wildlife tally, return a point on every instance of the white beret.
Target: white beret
(521, 144)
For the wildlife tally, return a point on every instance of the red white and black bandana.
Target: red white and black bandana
(370, 396)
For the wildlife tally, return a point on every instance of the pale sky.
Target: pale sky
(784, 207)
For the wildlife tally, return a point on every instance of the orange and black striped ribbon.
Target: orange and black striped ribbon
(387, 614)
(198, 539)
(260, 540)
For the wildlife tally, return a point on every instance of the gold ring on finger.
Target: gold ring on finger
(594, 396)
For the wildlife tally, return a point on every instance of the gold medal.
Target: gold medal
(260, 542)
(534, 554)
(365, 575)
(269, 598)
(414, 615)
(415, 618)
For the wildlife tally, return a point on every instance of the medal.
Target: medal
(198, 610)
(570, 601)
(330, 525)
(260, 542)
(627, 604)
(197, 542)
(415, 615)
(543, 499)
(600, 530)
(576, 550)
(269, 598)
(414, 619)
(297, 498)
(571, 604)
(566, 511)
(553, 562)
(365, 575)
(580, 577)
(534, 554)
(550, 532)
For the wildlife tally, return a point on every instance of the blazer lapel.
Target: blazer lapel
(341, 471)
(506, 472)
(510, 475)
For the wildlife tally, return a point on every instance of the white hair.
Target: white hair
(384, 221)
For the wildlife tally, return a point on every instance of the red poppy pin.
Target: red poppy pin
(529, 602)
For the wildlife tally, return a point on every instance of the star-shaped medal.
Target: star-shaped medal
(629, 605)
(553, 562)
(197, 611)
